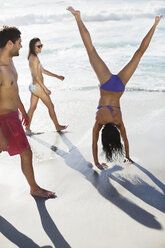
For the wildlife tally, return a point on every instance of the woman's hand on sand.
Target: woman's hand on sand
(102, 166)
(128, 160)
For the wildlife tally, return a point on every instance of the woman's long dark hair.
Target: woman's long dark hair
(111, 142)
(32, 46)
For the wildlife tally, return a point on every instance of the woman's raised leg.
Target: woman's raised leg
(97, 63)
(126, 73)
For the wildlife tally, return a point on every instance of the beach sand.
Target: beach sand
(122, 206)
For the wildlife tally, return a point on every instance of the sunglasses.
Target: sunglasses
(40, 46)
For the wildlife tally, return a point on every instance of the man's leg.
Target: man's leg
(27, 169)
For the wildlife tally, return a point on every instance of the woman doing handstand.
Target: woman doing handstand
(108, 115)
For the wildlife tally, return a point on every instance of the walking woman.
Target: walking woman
(38, 88)
(108, 115)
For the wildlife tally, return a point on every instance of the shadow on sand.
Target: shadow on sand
(75, 160)
(152, 177)
(49, 226)
(16, 237)
(142, 189)
(22, 241)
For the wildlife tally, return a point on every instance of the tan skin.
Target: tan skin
(10, 102)
(103, 115)
(41, 92)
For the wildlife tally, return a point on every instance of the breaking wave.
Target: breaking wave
(99, 17)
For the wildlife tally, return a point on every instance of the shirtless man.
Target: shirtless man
(38, 88)
(12, 135)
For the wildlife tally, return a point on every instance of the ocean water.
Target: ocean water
(117, 28)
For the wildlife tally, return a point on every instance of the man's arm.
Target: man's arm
(3, 141)
(25, 118)
(51, 74)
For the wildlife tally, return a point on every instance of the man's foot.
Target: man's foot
(157, 19)
(42, 193)
(76, 13)
(60, 128)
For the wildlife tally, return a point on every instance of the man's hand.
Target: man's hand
(25, 119)
(3, 143)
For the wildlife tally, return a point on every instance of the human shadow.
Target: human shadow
(75, 160)
(151, 176)
(141, 189)
(16, 237)
(49, 226)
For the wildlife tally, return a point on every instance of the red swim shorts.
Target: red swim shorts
(12, 129)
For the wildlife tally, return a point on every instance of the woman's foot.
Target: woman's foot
(37, 191)
(157, 19)
(28, 132)
(60, 128)
(74, 12)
